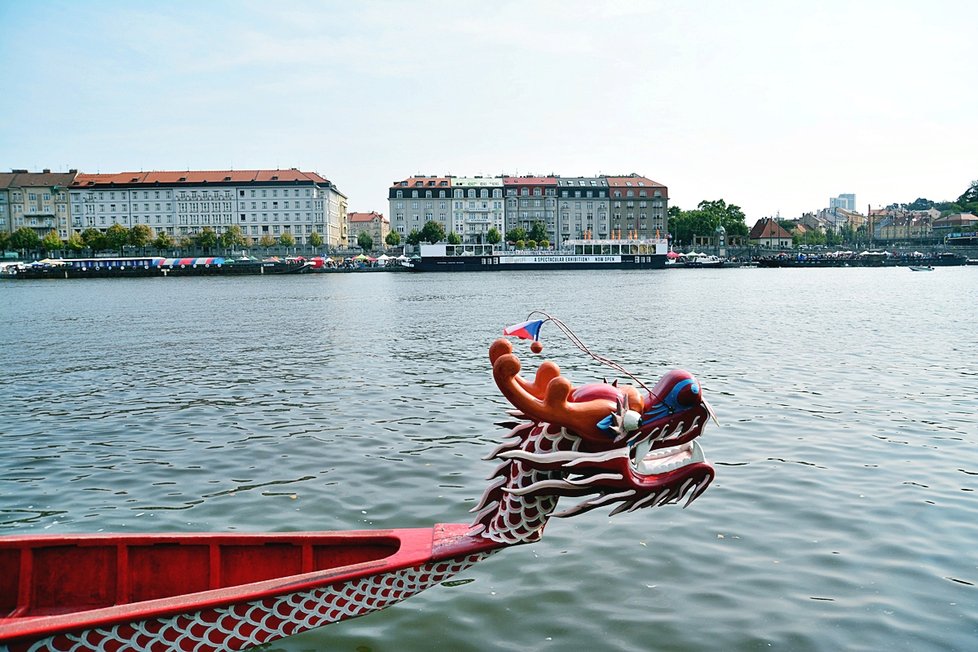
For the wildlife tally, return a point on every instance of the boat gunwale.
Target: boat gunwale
(416, 546)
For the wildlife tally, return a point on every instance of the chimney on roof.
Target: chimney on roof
(15, 171)
(73, 171)
(47, 170)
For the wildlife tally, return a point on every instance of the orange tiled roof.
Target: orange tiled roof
(633, 181)
(766, 227)
(197, 177)
(365, 217)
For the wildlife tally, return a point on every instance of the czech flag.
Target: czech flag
(528, 330)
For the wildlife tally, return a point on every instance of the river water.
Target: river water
(843, 516)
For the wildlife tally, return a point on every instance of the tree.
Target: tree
(206, 239)
(729, 216)
(393, 238)
(364, 241)
(315, 239)
(25, 239)
(267, 241)
(432, 232)
(545, 244)
(920, 204)
(232, 237)
(515, 235)
(4, 241)
(685, 226)
(140, 235)
(286, 239)
(969, 198)
(75, 242)
(538, 231)
(163, 242)
(531, 244)
(704, 220)
(116, 237)
(493, 237)
(52, 241)
(414, 238)
(93, 239)
(454, 238)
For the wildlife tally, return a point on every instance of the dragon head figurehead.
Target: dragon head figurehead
(608, 442)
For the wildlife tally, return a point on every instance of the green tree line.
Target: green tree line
(703, 221)
(140, 237)
(967, 202)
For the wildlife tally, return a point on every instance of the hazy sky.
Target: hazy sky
(772, 105)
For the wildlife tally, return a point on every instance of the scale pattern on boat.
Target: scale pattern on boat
(252, 623)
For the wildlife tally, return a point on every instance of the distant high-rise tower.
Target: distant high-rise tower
(846, 202)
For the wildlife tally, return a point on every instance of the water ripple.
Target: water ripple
(841, 516)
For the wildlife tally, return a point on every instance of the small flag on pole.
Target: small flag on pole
(528, 330)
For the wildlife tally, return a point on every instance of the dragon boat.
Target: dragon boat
(605, 444)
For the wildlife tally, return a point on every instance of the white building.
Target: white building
(477, 206)
(260, 202)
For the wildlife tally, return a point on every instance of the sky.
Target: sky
(772, 105)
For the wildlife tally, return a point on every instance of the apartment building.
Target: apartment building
(37, 200)
(260, 202)
(638, 206)
(583, 207)
(568, 207)
(477, 206)
(372, 223)
(532, 199)
(417, 200)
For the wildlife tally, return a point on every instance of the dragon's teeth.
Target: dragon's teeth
(642, 449)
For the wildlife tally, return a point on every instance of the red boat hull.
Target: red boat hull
(120, 592)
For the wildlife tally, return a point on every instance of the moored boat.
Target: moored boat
(572, 254)
(143, 266)
(921, 268)
(696, 260)
(863, 259)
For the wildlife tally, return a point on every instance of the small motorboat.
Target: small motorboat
(921, 268)
(605, 444)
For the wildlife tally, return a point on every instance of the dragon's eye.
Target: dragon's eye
(689, 394)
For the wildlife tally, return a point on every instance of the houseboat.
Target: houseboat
(572, 254)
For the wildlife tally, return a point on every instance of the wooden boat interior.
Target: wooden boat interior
(43, 577)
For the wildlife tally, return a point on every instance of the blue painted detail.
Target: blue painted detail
(669, 404)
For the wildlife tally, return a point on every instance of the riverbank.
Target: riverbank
(142, 267)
